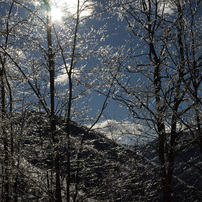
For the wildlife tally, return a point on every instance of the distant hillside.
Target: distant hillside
(107, 171)
(99, 157)
(187, 176)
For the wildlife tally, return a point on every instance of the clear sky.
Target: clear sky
(117, 38)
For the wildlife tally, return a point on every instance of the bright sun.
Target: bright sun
(61, 8)
(56, 14)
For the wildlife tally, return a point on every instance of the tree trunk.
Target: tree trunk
(52, 115)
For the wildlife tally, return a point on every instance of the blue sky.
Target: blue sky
(118, 37)
(113, 114)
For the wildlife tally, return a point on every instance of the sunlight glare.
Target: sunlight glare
(56, 14)
(62, 8)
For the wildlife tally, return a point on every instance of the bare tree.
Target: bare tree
(157, 54)
(6, 113)
(48, 48)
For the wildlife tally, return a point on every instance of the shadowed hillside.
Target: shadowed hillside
(100, 168)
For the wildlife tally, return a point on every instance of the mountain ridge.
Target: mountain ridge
(107, 171)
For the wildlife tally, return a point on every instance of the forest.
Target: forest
(100, 100)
